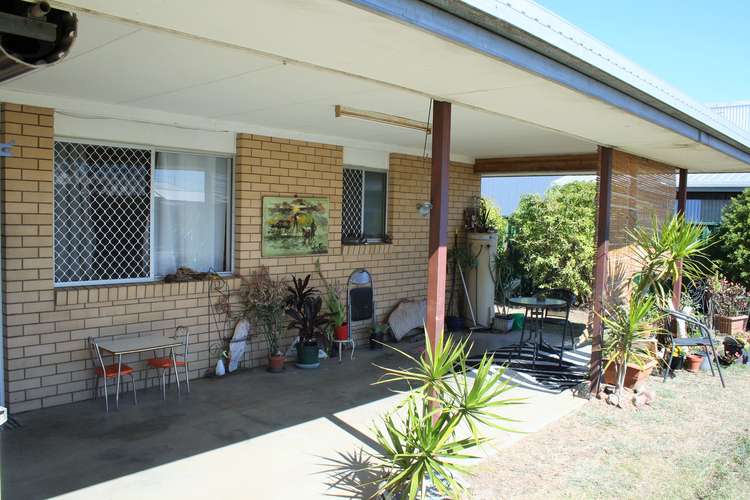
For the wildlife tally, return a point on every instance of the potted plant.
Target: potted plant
(377, 337)
(693, 362)
(335, 307)
(264, 300)
(678, 358)
(629, 347)
(731, 302)
(304, 308)
(424, 439)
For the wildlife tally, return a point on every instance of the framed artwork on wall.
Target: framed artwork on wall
(294, 226)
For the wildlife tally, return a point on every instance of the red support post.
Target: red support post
(602, 256)
(681, 203)
(438, 249)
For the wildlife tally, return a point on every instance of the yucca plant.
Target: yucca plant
(629, 329)
(435, 427)
(663, 251)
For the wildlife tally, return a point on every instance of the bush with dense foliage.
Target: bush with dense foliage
(734, 240)
(495, 215)
(552, 237)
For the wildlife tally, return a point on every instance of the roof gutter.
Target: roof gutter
(461, 23)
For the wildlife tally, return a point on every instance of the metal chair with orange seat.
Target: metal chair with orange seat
(108, 372)
(165, 363)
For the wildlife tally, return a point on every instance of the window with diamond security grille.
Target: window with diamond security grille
(118, 218)
(363, 211)
(102, 214)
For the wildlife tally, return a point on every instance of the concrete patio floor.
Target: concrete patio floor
(299, 434)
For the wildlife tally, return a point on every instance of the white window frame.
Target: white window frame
(154, 149)
(362, 206)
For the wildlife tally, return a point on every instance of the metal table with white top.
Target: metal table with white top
(120, 347)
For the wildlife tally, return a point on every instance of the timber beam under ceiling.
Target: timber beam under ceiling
(538, 165)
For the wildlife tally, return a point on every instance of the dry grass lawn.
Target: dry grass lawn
(692, 442)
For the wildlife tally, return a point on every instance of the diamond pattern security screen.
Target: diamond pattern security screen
(351, 211)
(102, 213)
(364, 206)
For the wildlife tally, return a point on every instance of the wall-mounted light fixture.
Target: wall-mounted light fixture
(375, 116)
(424, 208)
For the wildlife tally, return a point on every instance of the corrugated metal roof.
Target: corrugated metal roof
(718, 182)
(736, 112)
(696, 182)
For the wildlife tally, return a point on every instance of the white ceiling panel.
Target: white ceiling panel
(363, 61)
(141, 64)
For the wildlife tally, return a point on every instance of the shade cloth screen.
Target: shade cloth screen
(192, 199)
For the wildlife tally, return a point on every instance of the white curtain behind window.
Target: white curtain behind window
(192, 196)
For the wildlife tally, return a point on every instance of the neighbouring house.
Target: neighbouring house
(708, 194)
(153, 142)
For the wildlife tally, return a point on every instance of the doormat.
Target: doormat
(546, 372)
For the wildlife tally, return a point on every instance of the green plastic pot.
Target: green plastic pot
(307, 355)
(518, 319)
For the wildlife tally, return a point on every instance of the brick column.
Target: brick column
(27, 252)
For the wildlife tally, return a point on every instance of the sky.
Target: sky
(700, 47)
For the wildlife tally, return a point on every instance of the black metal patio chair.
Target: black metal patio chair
(561, 315)
(705, 341)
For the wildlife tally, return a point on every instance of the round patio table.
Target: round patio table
(535, 309)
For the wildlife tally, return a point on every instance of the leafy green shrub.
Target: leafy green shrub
(734, 240)
(552, 237)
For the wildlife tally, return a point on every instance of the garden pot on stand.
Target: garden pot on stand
(341, 332)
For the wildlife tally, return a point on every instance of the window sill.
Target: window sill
(369, 248)
(364, 243)
(72, 295)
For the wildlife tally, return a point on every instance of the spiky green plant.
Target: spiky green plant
(628, 331)
(664, 248)
(438, 423)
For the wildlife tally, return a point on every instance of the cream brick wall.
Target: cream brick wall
(47, 362)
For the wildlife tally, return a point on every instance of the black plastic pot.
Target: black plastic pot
(454, 323)
(376, 340)
(678, 363)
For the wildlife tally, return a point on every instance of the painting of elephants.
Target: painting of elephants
(294, 226)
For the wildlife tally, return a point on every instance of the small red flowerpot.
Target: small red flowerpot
(693, 362)
(341, 332)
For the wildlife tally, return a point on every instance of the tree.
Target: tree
(734, 240)
(553, 237)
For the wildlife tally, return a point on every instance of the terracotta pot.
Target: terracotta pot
(341, 332)
(633, 375)
(729, 325)
(276, 363)
(693, 362)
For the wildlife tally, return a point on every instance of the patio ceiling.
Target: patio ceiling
(280, 67)
(241, 90)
